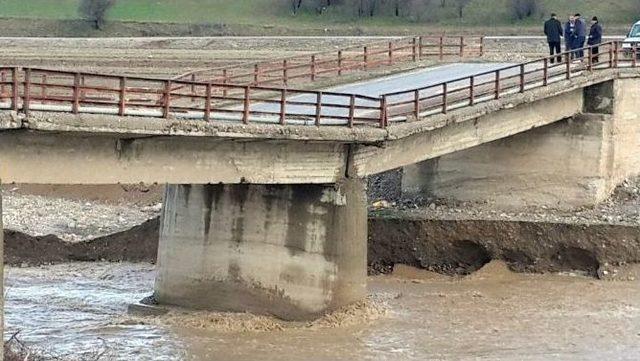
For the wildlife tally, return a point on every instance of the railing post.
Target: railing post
(472, 93)
(207, 104)
(441, 46)
(123, 96)
(521, 78)
(43, 88)
(318, 108)
(366, 58)
(545, 72)
(383, 112)
(313, 67)
(283, 105)
(167, 99)
(285, 75)
(3, 79)
(416, 103)
(256, 74)
(568, 65)
(247, 105)
(390, 53)
(14, 89)
(414, 49)
(76, 93)
(497, 81)
(616, 50)
(420, 46)
(462, 46)
(444, 98)
(82, 84)
(634, 56)
(27, 91)
(610, 57)
(590, 59)
(193, 88)
(339, 62)
(481, 46)
(352, 109)
(225, 80)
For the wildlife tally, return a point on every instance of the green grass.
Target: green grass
(478, 13)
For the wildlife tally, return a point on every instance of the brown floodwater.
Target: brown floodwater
(492, 315)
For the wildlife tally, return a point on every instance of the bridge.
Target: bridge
(266, 209)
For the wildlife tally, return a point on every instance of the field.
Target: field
(274, 13)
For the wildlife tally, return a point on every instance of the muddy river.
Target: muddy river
(80, 309)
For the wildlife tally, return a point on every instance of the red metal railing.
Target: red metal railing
(331, 63)
(494, 84)
(34, 89)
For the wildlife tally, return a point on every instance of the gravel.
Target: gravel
(621, 208)
(70, 220)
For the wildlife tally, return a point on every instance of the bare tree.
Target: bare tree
(460, 6)
(522, 9)
(95, 11)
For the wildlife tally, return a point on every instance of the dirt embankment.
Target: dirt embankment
(453, 247)
(139, 244)
(464, 246)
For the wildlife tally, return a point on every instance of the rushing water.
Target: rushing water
(80, 308)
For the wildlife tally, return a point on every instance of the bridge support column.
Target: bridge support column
(294, 251)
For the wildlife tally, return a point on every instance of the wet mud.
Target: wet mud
(459, 247)
(450, 247)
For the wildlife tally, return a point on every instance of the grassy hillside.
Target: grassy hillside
(479, 12)
(244, 16)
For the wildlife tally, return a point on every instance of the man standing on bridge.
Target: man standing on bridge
(581, 34)
(595, 38)
(553, 31)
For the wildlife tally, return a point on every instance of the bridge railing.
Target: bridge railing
(305, 68)
(491, 85)
(36, 89)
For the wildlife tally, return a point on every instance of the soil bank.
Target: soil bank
(453, 247)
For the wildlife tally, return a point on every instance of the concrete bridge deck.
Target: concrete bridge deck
(72, 148)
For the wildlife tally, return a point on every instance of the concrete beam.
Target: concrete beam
(294, 251)
(77, 158)
(369, 160)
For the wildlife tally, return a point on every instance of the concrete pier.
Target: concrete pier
(293, 251)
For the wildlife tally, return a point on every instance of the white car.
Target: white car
(632, 40)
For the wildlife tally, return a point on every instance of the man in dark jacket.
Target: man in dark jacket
(570, 34)
(553, 31)
(581, 35)
(595, 38)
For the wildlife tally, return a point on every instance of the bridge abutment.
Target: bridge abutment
(572, 163)
(294, 251)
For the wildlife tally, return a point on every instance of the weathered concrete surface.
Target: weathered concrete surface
(461, 135)
(562, 165)
(626, 129)
(569, 164)
(292, 251)
(81, 158)
(103, 149)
